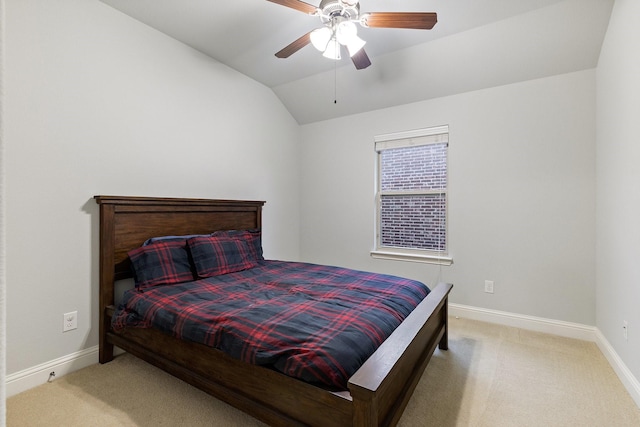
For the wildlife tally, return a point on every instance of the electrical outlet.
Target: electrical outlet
(625, 330)
(69, 321)
(488, 286)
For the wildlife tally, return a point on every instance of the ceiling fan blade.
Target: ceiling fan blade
(295, 46)
(361, 60)
(297, 5)
(411, 20)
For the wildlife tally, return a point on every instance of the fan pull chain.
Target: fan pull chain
(335, 82)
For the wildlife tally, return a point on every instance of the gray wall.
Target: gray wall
(521, 194)
(618, 208)
(97, 103)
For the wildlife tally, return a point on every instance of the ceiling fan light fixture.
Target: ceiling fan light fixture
(338, 18)
(320, 38)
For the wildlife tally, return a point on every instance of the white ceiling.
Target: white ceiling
(475, 44)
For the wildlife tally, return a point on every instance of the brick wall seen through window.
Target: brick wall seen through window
(415, 221)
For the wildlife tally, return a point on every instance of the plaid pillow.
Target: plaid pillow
(217, 255)
(161, 263)
(252, 237)
(182, 239)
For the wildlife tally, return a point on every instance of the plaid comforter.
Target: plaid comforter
(313, 322)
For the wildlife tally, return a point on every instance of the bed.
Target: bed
(377, 392)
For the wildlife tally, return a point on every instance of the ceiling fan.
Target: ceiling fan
(339, 19)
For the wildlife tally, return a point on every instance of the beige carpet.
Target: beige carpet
(491, 376)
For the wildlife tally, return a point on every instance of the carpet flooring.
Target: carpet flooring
(492, 376)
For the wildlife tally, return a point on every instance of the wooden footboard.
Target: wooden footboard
(378, 391)
(382, 387)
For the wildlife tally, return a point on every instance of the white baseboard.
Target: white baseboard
(628, 379)
(37, 375)
(531, 323)
(555, 327)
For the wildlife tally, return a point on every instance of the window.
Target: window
(411, 196)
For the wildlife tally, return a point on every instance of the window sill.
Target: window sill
(413, 257)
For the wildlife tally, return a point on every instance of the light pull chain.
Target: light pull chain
(335, 82)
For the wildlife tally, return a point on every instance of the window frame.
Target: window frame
(413, 138)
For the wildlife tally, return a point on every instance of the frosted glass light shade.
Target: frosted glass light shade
(347, 34)
(355, 45)
(320, 37)
(333, 49)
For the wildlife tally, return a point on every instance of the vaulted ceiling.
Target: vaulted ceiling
(475, 44)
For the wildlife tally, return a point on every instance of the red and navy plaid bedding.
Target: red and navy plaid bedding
(312, 322)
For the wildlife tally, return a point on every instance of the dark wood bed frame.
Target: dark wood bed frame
(378, 391)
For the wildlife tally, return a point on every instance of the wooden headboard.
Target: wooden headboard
(126, 222)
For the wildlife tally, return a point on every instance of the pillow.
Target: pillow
(217, 255)
(161, 263)
(252, 237)
(169, 238)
